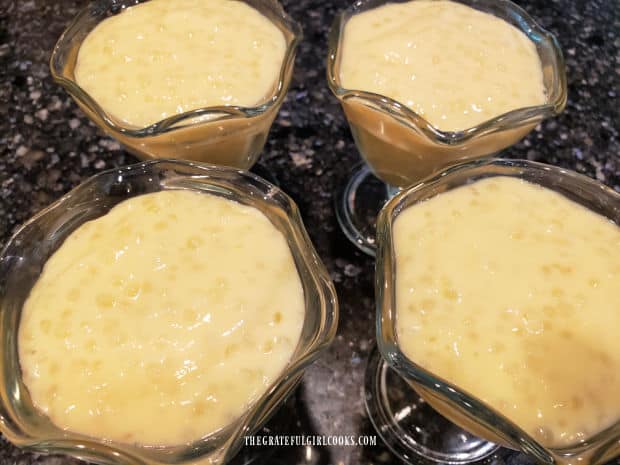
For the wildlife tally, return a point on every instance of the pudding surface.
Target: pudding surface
(452, 64)
(161, 321)
(166, 57)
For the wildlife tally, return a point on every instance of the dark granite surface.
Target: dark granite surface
(48, 146)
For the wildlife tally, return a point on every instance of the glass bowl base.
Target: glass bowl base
(357, 207)
(410, 427)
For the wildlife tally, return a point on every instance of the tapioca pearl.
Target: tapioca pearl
(90, 345)
(66, 314)
(426, 280)
(52, 391)
(105, 300)
(45, 326)
(132, 290)
(160, 225)
(472, 336)
(199, 408)
(231, 349)
(194, 242)
(124, 230)
(53, 368)
(121, 338)
(557, 292)
(169, 387)
(412, 308)
(151, 205)
(576, 403)
(146, 287)
(198, 267)
(73, 295)
(449, 293)
(251, 375)
(428, 304)
(498, 346)
(190, 316)
(267, 346)
(153, 371)
(221, 282)
(110, 327)
(62, 332)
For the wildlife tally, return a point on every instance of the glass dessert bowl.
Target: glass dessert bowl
(25, 254)
(221, 135)
(400, 147)
(394, 381)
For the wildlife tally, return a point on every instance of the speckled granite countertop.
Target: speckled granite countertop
(48, 146)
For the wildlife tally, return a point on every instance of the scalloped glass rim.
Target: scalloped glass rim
(228, 440)
(189, 118)
(407, 116)
(570, 182)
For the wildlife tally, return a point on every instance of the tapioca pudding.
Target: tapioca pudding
(161, 321)
(165, 57)
(509, 291)
(452, 64)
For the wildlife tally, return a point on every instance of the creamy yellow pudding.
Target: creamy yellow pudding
(165, 57)
(161, 321)
(454, 65)
(510, 291)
